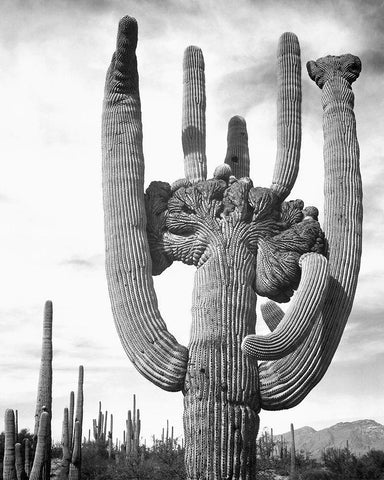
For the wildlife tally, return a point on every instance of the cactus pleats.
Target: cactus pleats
(272, 314)
(302, 313)
(288, 115)
(193, 117)
(151, 348)
(286, 382)
(244, 241)
(237, 156)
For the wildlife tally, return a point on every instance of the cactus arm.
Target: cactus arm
(71, 418)
(286, 382)
(19, 462)
(301, 314)
(66, 447)
(43, 436)
(288, 115)
(193, 115)
(151, 348)
(27, 467)
(272, 314)
(74, 468)
(9, 470)
(237, 156)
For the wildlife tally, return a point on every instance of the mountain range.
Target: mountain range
(359, 436)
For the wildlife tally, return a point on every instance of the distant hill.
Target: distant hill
(362, 436)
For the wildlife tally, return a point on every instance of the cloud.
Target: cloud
(86, 263)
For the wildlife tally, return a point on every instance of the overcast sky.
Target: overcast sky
(54, 55)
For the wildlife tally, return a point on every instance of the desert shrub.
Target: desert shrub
(371, 465)
(317, 474)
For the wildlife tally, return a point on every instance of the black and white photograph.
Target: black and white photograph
(191, 251)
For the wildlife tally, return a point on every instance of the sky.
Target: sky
(54, 57)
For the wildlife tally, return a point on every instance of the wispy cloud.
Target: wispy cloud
(94, 261)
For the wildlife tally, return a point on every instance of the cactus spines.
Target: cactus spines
(43, 436)
(193, 118)
(288, 115)
(244, 241)
(151, 348)
(237, 156)
(9, 470)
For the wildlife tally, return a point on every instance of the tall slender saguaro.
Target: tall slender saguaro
(44, 389)
(244, 241)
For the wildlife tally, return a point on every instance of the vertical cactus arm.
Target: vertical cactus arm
(80, 398)
(74, 468)
(19, 462)
(288, 115)
(142, 331)
(301, 314)
(9, 469)
(193, 115)
(43, 436)
(284, 383)
(66, 449)
(237, 156)
(27, 465)
(272, 314)
(76, 444)
(44, 390)
(71, 413)
(16, 426)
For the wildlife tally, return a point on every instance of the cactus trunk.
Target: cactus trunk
(221, 402)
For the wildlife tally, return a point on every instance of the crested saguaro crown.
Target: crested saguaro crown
(244, 240)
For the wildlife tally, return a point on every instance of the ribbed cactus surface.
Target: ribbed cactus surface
(154, 351)
(286, 382)
(193, 118)
(237, 156)
(244, 241)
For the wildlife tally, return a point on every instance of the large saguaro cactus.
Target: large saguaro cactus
(244, 241)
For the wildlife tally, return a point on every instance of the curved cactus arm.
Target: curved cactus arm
(272, 314)
(193, 116)
(143, 333)
(288, 115)
(286, 382)
(237, 156)
(300, 316)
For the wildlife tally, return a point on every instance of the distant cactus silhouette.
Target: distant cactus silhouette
(245, 241)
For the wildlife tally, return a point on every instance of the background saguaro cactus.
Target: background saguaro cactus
(245, 241)
(44, 390)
